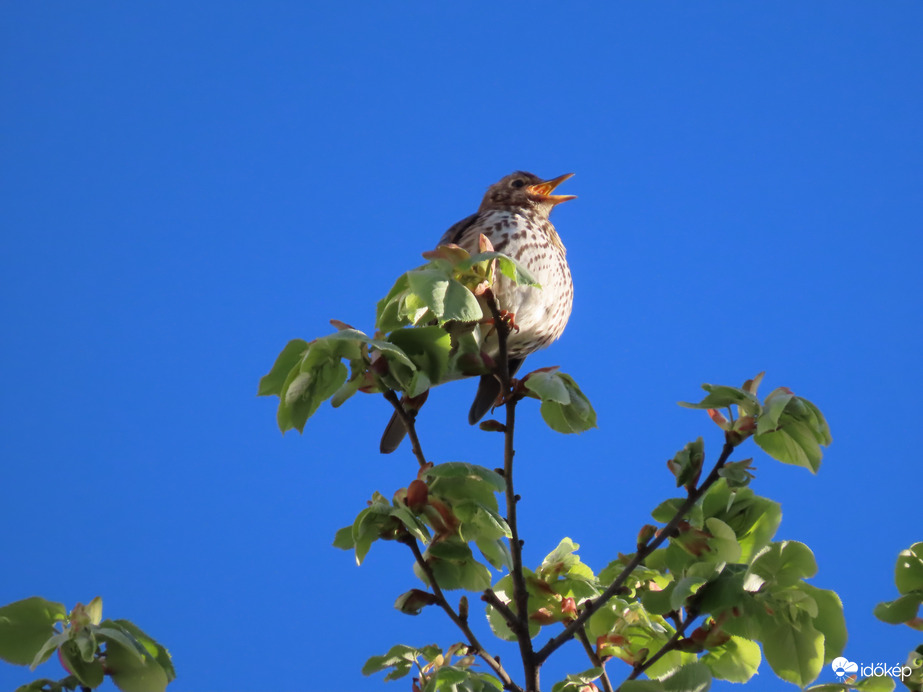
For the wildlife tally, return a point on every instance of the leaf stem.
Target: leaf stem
(592, 606)
(462, 624)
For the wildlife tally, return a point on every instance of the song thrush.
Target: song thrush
(514, 217)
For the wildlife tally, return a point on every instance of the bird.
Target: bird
(514, 216)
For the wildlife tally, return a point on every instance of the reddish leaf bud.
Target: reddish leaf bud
(341, 325)
(646, 533)
(417, 495)
(718, 418)
(543, 616)
(492, 426)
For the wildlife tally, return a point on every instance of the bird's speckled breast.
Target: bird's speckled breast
(541, 314)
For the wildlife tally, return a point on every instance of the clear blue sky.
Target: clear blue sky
(186, 186)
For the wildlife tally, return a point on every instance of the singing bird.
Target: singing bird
(514, 217)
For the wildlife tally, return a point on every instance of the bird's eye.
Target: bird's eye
(518, 183)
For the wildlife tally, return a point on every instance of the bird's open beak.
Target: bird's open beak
(544, 189)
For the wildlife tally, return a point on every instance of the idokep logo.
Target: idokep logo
(843, 667)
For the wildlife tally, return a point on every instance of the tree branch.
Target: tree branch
(490, 596)
(594, 659)
(666, 648)
(520, 595)
(462, 623)
(569, 632)
(409, 423)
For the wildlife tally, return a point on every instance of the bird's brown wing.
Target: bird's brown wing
(454, 234)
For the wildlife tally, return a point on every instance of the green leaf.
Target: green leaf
(68, 684)
(686, 464)
(89, 673)
(737, 660)
(794, 444)
(509, 267)
(795, 653)
(692, 677)
(427, 348)
(400, 658)
(291, 355)
(577, 682)
(723, 543)
(754, 519)
(25, 626)
(775, 404)
(792, 430)
(721, 396)
(48, 648)
(445, 297)
(784, 563)
(344, 539)
(496, 552)
(461, 469)
(309, 390)
(564, 407)
(900, 610)
(547, 386)
(829, 621)
(908, 573)
(155, 651)
(685, 587)
(876, 683)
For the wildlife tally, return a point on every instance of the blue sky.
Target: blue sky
(186, 186)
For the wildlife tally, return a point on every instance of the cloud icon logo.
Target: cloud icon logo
(842, 667)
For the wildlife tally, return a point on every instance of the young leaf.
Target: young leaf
(900, 610)
(509, 267)
(291, 355)
(25, 626)
(721, 396)
(908, 573)
(784, 563)
(795, 653)
(564, 407)
(737, 660)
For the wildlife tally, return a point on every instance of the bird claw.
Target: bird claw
(506, 317)
(510, 319)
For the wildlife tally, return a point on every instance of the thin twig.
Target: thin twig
(594, 659)
(666, 648)
(462, 623)
(520, 594)
(491, 597)
(569, 632)
(408, 422)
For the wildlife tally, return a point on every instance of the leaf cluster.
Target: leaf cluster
(449, 508)
(787, 427)
(435, 669)
(908, 577)
(88, 647)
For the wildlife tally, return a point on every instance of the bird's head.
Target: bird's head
(525, 190)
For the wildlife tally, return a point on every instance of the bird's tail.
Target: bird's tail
(393, 435)
(396, 430)
(488, 391)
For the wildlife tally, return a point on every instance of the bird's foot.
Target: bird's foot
(510, 319)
